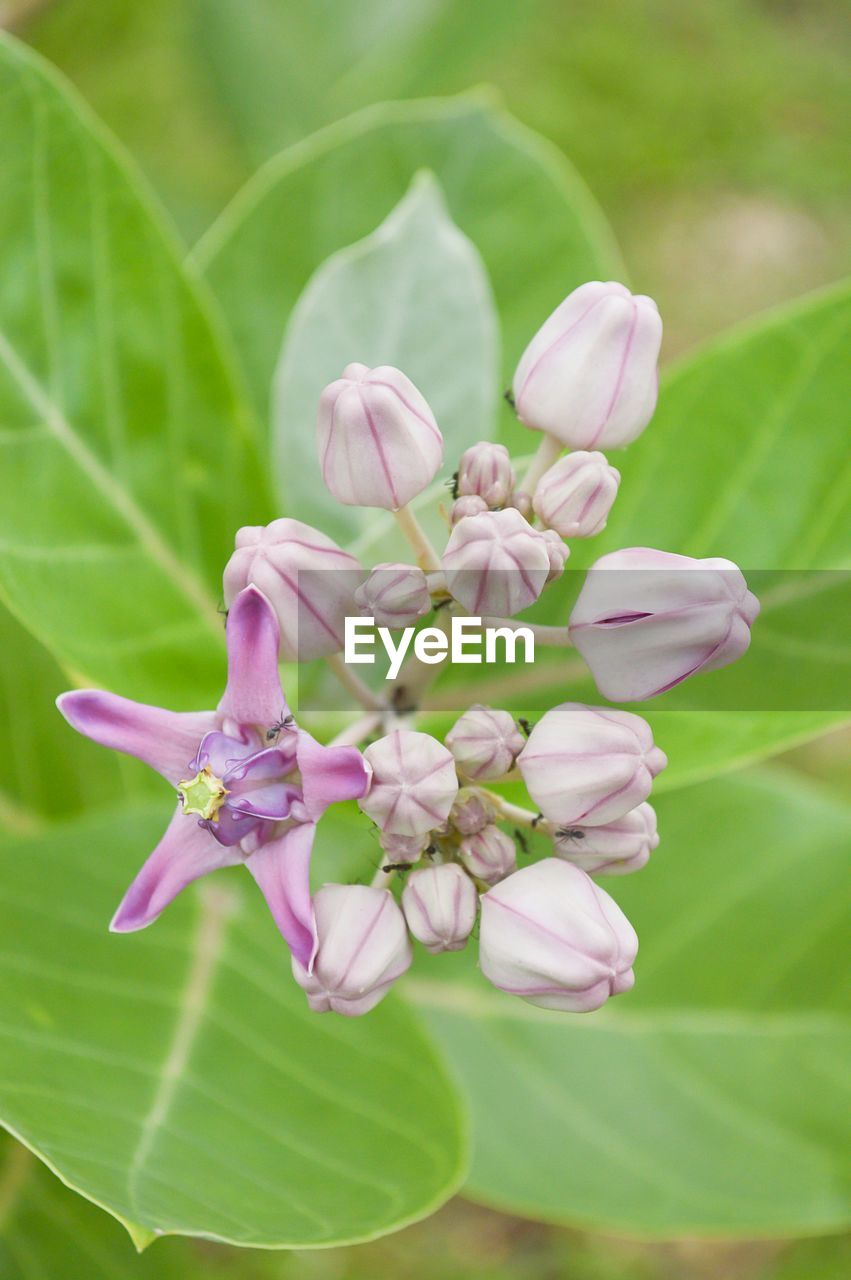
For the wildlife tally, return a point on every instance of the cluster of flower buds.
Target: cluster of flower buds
(252, 784)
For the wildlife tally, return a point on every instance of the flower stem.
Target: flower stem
(514, 813)
(415, 676)
(547, 452)
(547, 636)
(353, 684)
(354, 734)
(427, 557)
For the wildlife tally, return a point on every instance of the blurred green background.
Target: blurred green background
(712, 134)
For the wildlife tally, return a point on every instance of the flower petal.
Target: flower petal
(330, 774)
(253, 694)
(282, 870)
(185, 852)
(166, 740)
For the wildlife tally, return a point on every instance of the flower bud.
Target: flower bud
(589, 377)
(440, 905)
(309, 581)
(587, 766)
(470, 505)
(470, 812)
(576, 495)
(403, 849)
(489, 854)
(645, 620)
(496, 563)
(614, 849)
(522, 502)
(414, 783)
(486, 471)
(379, 445)
(552, 936)
(363, 947)
(558, 552)
(485, 743)
(395, 595)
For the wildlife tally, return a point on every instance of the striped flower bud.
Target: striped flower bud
(403, 849)
(576, 495)
(646, 620)
(489, 854)
(614, 849)
(589, 375)
(558, 552)
(485, 743)
(471, 811)
(586, 766)
(470, 505)
(440, 905)
(496, 563)
(395, 595)
(553, 937)
(379, 445)
(414, 783)
(363, 948)
(485, 471)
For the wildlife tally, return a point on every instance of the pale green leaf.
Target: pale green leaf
(711, 1100)
(126, 460)
(177, 1078)
(414, 294)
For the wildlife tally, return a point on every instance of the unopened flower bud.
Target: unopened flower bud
(485, 743)
(470, 812)
(553, 937)
(403, 849)
(470, 505)
(645, 620)
(395, 595)
(589, 377)
(522, 502)
(496, 563)
(414, 783)
(576, 495)
(379, 445)
(363, 947)
(486, 471)
(558, 552)
(309, 581)
(614, 849)
(586, 766)
(489, 854)
(440, 905)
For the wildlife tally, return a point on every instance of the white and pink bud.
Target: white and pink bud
(309, 581)
(553, 937)
(589, 376)
(363, 947)
(485, 743)
(522, 502)
(489, 855)
(576, 495)
(485, 471)
(440, 905)
(614, 849)
(645, 620)
(378, 442)
(496, 563)
(558, 551)
(587, 766)
(403, 849)
(470, 505)
(414, 783)
(471, 811)
(395, 595)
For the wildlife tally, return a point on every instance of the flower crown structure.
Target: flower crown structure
(251, 784)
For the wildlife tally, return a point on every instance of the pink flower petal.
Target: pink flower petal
(282, 871)
(329, 774)
(253, 694)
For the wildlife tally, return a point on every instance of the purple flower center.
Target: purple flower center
(237, 787)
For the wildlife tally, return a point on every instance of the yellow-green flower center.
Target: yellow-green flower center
(204, 794)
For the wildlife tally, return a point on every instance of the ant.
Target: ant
(508, 396)
(570, 833)
(521, 840)
(525, 726)
(539, 817)
(452, 484)
(285, 722)
(397, 866)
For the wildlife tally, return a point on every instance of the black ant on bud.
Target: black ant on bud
(570, 833)
(521, 840)
(285, 722)
(525, 726)
(508, 397)
(539, 817)
(397, 866)
(452, 484)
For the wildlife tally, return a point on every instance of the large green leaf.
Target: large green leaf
(177, 1078)
(710, 1100)
(126, 461)
(516, 197)
(413, 294)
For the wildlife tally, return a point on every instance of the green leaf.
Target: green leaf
(509, 190)
(177, 1078)
(126, 460)
(709, 1100)
(273, 94)
(413, 294)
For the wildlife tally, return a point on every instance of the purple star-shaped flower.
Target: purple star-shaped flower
(252, 785)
